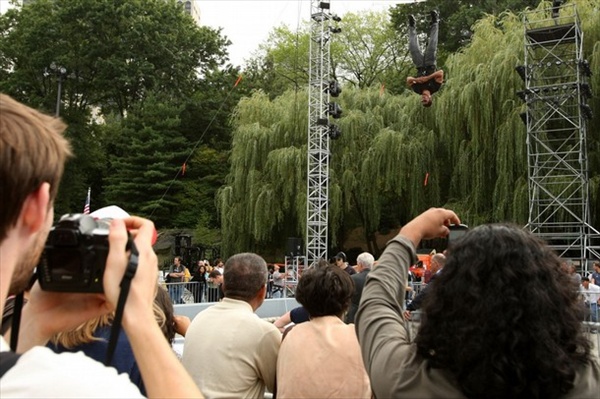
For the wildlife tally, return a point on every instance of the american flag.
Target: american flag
(86, 208)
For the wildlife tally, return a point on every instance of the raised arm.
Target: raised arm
(380, 327)
(438, 76)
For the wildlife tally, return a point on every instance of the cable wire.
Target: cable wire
(198, 142)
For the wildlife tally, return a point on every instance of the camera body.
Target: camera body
(75, 255)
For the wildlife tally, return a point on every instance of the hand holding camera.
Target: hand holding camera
(432, 223)
(81, 272)
(144, 285)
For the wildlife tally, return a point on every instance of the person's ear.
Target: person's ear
(35, 209)
(262, 292)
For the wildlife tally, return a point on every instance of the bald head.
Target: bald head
(437, 262)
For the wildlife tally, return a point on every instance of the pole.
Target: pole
(58, 95)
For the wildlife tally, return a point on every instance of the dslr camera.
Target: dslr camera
(75, 255)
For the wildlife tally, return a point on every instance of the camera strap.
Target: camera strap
(16, 316)
(16, 322)
(132, 265)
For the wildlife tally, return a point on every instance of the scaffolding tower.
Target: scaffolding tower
(320, 87)
(556, 92)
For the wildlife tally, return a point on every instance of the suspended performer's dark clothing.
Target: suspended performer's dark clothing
(430, 85)
(428, 58)
(425, 62)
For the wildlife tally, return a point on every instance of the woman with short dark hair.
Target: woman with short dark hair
(324, 350)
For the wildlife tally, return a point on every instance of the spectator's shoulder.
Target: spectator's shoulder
(268, 327)
(64, 375)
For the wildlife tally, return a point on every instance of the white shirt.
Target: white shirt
(41, 373)
(592, 294)
(278, 278)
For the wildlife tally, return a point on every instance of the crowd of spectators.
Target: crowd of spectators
(197, 284)
(503, 319)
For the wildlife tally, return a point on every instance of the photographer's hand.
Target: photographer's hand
(144, 284)
(163, 374)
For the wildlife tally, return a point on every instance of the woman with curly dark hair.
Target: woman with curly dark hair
(502, 320)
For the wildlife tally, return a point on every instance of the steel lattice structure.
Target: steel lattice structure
(556, 90)
(317, 192)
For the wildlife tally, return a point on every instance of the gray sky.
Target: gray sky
(247, 23)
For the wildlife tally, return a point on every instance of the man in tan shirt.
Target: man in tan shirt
(229, 351)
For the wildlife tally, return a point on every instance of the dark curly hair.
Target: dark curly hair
(325, 291)
(504, 318)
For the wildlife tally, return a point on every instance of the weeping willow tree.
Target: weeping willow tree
(395, 158)
(264, 195)
(477, 115)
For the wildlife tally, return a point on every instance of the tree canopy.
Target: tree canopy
(143, 86)
(367, 52)
(458, 18)
(113, 52)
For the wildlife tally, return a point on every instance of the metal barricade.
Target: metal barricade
(192, 292)
(591, 318)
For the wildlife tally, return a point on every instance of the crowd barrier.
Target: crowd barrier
(196, 292)
(192, 292)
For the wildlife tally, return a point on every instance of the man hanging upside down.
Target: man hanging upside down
(428, 80)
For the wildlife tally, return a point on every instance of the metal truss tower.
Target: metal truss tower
(556, 91)
(319, 129)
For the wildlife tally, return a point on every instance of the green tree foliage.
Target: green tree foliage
(207, 112)
(147, 154)
(467, 152)
(264, 200)
(205, 174)
(281, 62)
(117, 53)
(114, 51)
(87, 167)
(458, 18)
(366, 52)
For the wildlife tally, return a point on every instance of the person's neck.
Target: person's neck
(9, 253)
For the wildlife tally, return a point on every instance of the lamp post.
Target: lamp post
(60, 73)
